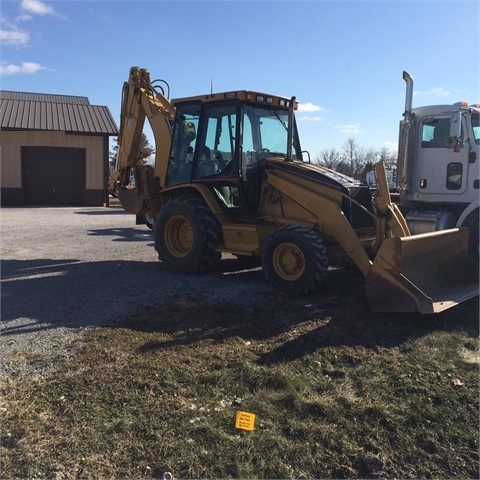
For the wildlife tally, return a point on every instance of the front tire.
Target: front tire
(187, 236)
(294, 260)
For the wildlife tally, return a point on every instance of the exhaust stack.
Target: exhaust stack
(409, 93)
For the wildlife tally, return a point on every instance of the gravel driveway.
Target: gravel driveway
(64, 270)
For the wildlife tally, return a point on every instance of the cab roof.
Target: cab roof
(443, 109)
(264, 99)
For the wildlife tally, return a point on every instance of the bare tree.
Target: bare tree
(329, 158)
(355, 160)
(388, 157)
(351, 156)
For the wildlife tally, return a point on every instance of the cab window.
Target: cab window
(215, 160)
(435, 133)
(264, 133)
(454, 176)
(183, 144)
(216, 149)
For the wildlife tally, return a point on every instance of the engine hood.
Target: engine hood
(354, 193)
(316, 173)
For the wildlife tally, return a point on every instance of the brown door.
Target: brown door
(53, 176)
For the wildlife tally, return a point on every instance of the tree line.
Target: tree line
(352, 159)
(355, 160)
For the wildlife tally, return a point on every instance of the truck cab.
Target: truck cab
(445, 167)
(439, 166)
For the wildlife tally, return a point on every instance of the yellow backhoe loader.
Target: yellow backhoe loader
(229, 176)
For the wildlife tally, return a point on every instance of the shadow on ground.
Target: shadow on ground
(338, 315)
(233, 301)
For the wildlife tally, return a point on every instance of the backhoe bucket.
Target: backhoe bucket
(425, 273)
(130, 200)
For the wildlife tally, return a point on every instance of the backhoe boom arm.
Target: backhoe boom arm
(140, 100)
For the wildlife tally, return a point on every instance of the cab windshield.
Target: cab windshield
(265, 132)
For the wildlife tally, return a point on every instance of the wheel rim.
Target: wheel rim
(288, 261)
(178, 236)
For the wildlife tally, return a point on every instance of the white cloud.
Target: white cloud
(36, 7)
(307, 118)
(391, 146)
(349, 128)
(24, 68)
(435, 91)
(309, 107)
(13, 37)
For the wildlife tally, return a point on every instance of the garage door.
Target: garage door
(53, 175)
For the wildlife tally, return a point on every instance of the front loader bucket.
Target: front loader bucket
(425, 273)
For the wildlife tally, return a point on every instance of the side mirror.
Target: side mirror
(456, 125)
(454, 140)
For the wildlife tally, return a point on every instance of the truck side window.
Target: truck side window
(454, 176)
(435, 133)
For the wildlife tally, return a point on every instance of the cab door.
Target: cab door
(440, 170)
(215, 157)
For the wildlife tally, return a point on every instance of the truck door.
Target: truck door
(440, 171)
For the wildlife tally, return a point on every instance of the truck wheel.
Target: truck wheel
(187, 236)
(294, 259)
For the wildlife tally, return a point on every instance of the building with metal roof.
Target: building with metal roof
(53, 149)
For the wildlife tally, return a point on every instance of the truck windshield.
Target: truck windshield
(476, 127)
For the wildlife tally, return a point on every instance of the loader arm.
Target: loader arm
(141, 100)
(325, 206)
(408, 272)
(389, 215)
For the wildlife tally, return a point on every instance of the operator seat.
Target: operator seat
(184, 170)
(207, 166)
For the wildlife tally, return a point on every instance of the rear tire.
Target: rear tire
(187, 236)
(294, 260)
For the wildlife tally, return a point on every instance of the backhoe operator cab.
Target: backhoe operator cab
(222, 143)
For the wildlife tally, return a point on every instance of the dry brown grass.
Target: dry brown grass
(338, 392)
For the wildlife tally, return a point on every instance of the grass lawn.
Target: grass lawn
(337, 392)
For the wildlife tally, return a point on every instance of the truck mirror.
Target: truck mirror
(455, 140)
(456, 125)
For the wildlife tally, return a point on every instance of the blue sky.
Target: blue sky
(343, 60)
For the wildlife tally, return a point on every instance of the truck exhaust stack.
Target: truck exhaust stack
(409, 94)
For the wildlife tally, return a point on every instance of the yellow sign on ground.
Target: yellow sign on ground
(245, 420)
